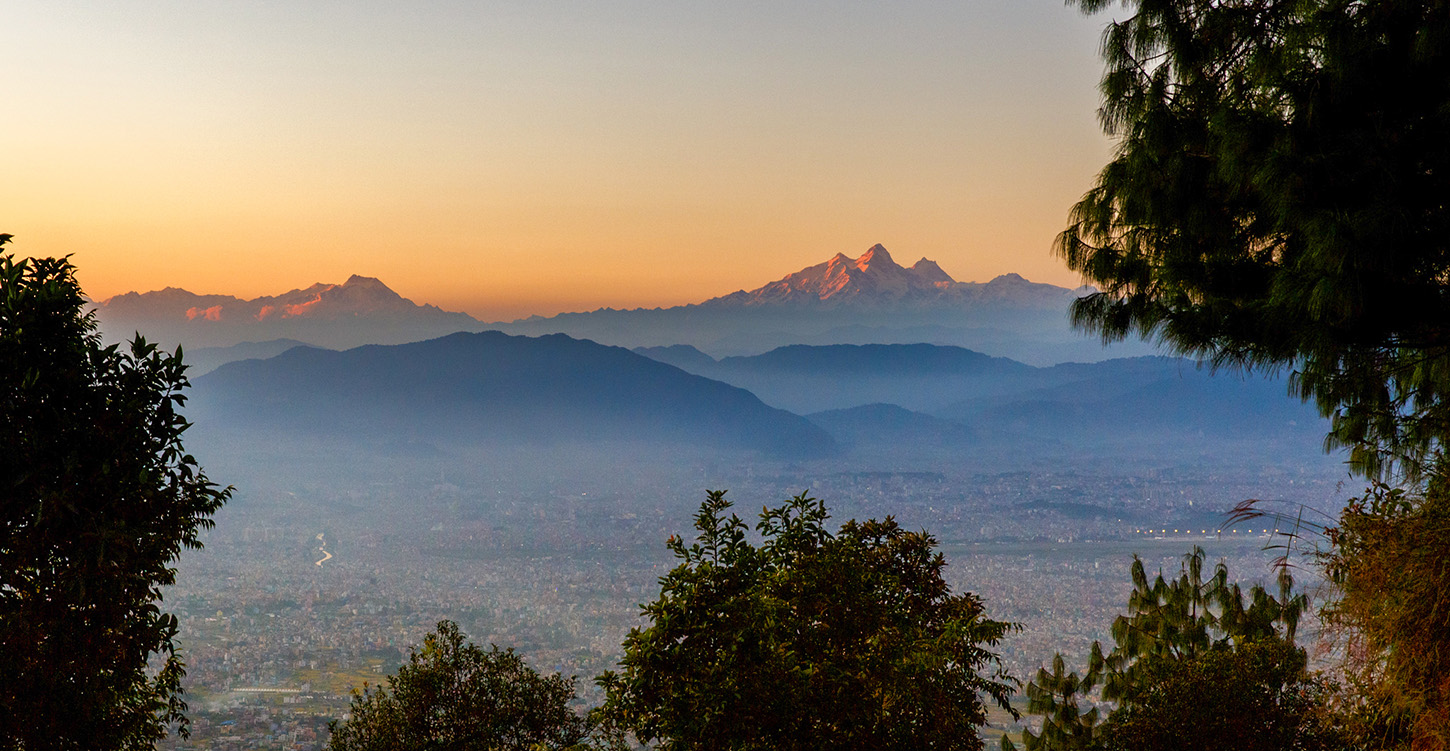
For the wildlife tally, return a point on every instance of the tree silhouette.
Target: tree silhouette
(809, 640)
(97, 499)
(454, 695)
(1194, 665)
(1280, 196)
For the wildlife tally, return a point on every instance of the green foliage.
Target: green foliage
(1253, 697)
(1190, 654)
(1059, 698)
(1280, 196)
(97, 499)
(807, 641)
(1388, 557)
(454, 695)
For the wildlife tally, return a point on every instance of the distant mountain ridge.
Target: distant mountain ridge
(879, 404)
(869, 299)
(875, 280)
(491, 387)
(202, 360)
(807, 379)
(843, 388)
(361, 310)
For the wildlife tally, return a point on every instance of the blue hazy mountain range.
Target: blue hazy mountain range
(491, 387)
(202, 360)
(473, 388)
(1001, 400)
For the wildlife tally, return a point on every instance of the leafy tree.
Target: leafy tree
(454, 695)
(1194, 665)
(1280, 195)
(97, 499)
(810, 640)
(1253, 697)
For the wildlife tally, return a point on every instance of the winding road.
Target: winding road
(322, 548)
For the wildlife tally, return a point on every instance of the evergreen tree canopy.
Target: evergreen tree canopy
(1280, 196)
(454, 696)
(811, 640)
(97, 499)
(1254, 697)
(1195, 665)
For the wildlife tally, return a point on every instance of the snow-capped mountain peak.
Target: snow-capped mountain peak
(873, 278)
(876, 256)
(175, 315)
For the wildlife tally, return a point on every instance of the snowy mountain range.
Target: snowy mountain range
(875, 280)
(361, 310)
(869, 299)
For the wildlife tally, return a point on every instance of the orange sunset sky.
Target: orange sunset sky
(509, 158)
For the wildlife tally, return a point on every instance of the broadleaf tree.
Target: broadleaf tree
(1280, 196)
(98, 498)
(809, 640)
(453, 694)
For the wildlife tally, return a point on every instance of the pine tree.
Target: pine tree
(1185, 632)
(1280, 197)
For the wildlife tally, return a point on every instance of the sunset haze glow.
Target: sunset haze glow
(507, 159)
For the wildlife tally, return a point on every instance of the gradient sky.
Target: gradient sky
(508, 158)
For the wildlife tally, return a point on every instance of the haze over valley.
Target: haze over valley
(397, 464)
(482, 307)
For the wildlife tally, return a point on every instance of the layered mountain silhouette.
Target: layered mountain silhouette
(362, 310)
(869, 299)
(806, 379)
(870, 404)
(844, 388)
(490, 387)
(203, 360)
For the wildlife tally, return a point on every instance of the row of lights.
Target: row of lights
(1189, 531)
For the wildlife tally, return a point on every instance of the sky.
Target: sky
(516, 158)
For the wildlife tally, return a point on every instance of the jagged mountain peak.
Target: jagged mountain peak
(876, 256)
(874, 279)
(929, 270)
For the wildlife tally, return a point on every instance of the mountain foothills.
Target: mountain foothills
(868, 299)
(481, 388)
(919, 400)
(1140, 397)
